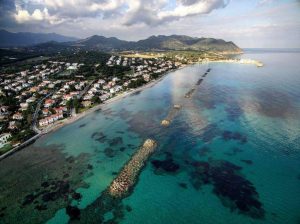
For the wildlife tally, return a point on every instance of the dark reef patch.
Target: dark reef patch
(82, 125)
(233, 190)
(109, 152)
(73, 212)
(183, 185)
(144, 123)
(43, 190)
(128, 208)
(233, 151)
(122, 149)
(115, 141)
(41, 207)
(210, 132)
(229, 135)
(70, 159)
(99, 136)
(168, 165)
(204, 151)
(247, 161)
(273, 103)
(233, 111)
(76, 196)
(90, 167)
(95, 212)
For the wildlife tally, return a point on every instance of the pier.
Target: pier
(121, 185)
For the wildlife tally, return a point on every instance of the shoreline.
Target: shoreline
(122, 95)
(79, 116)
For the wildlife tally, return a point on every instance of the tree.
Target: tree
(96, 99)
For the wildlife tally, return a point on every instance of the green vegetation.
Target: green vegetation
(139, 82)
(5, 148)
(73, 104)
(21, 136)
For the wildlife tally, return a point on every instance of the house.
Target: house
(46, 112)
(146, 77)
(18, 116)
(60, 110)
(86, 103)
(13, 125)
(34, 89)
(49, 102)
(67, 97)
(43, 122)
(104, 97)
(50, 119)
(4, 111)
(24, 106)
(4, 139)
(31, 99)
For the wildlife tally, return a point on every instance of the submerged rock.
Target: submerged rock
(167, 165)
(73, 212)
(247, 161)
(183, 185)
(229, 135)
(234, 190)
(76, 196)
(109, 152)
(116, 141)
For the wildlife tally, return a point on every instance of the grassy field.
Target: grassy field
(5, 148)
(145, 55)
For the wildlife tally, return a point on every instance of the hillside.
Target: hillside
(8, 39)
(161, 42)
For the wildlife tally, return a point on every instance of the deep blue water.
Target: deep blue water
(231, 155)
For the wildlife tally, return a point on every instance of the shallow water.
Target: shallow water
(231, 154)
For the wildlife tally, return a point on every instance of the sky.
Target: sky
(248, 23)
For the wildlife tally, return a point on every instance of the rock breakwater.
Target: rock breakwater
(121, 185)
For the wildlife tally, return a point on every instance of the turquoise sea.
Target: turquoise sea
(231, 155)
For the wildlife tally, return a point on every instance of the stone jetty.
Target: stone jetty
(199, 82)
(126, 179)
(171, 115)
(189, 93)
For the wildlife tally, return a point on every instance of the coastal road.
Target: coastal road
(36, 114)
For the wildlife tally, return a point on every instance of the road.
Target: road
(36, 114)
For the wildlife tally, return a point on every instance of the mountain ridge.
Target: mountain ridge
(24, 39)
(55, 42)
(160, 42)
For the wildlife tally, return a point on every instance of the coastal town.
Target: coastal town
(34, 100)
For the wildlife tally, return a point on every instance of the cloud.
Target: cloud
(24, 16)
(125, 12)
(151, 12)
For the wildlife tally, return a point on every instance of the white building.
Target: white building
(4, 139)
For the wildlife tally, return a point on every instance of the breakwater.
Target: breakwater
(175, 109)
(128, 175)
(239, 61)
(171, 115)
